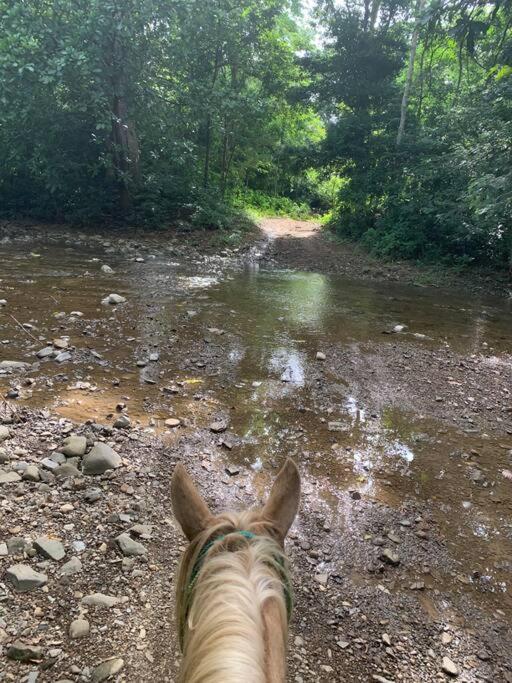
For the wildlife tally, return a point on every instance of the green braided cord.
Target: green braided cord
(287, 588)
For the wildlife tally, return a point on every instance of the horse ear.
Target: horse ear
(189, 507)
(283, 502)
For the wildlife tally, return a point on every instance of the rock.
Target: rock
(154, 357)
(3, 550)
(74, 566)
(129, 547)
(322, 579)
(60, 343)
(16, 545)
(3, 302)
(449, 667)
(100, 600)
(336, 427)
(50, 548)
(24, 578)
(355, 495)
(114, 299)
(46, 352)
(49, 464)
(320, 355)
(4, 433)
(67, 471)
(79, 628)
(381, 679)
(74, 446)
(172, 422)
(386, 639)
(13, 365)
(122, 422)
(100, 459)
(9, 477)
(399, 328)
(218, 427)
(107, 669)
(93, 495)
(63, 357)
(232, 470)
(24, 653)
(31, 473)
(446, 638)
(389, 557)
(107, 269)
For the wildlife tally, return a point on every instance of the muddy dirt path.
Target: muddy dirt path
(395, 401)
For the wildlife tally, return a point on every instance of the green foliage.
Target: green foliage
(259, 204)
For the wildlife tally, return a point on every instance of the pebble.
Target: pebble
(449, 667)
(24, 653)
(107, 269)
(320, 355)
(100, 459)
(4, 433)
(9, 477)
(74, 566)
(100, 600)
(31, 473)
(389, 557)
(129, 547)
(24, 578)
(74, 446)
(79, 628)
(63, 357)
(172, 422)
(107, 669)
(50, 548)
(114, 299)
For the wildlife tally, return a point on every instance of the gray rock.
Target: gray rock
(49, 464)
(74, 566)
(129, 547)
(74, 446)
(4, 433)
(79, 628)
(24, 578)
(57, 457)
(31, 473)
(24, 653)
(3, 550)
(9, 477)
(63, 357)
(100, 600)
(218, 427)
(107, 669)
(390, 557)
(93, 495)
(100, 459)
(449, 667)
(66, 471)
(16, 545)
(50, 548)
(13, 365)
(320, 355)
(113, 299)
(154, 357)
(107, 269)
(122, 422)
(46, 352)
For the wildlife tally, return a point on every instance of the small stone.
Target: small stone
(61, 343)
(320, 355)
(13, 365)
(24, 653)
(389, 557)
(46, 352)
(107, 269)
(172, 422)
(114, 299)
(49, 464)
(100, 459)
(100, 600)
(9, 477)
(386, 639)
(107, 669)
(74, 566)
(93, 495)
(63, 357)
(79, 628)
(232, 471)
(322, 579)
(154, 357)
(218, 427)
(67, 471)
(122, 422)
(74, 446)
(449, 667)
(31, 473)
(129, 547)
(4, 433)
(446, 638)
(399, 328)
(50, 548)
(24, 578)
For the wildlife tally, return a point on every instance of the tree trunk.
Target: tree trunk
(126, 149)
(410, 72)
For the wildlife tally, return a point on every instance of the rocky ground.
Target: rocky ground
(387, 586)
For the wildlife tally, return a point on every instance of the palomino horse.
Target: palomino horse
(233, 589)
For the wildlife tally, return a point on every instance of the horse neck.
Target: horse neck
(237, 624)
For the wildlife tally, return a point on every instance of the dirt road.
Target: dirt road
(394, 400)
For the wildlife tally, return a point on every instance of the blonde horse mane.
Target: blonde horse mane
(224, 581)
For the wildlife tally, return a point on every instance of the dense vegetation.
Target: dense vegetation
(394, 115)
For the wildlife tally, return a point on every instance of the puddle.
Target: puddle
(244, 344)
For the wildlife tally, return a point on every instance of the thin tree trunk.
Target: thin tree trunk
(410, 72)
